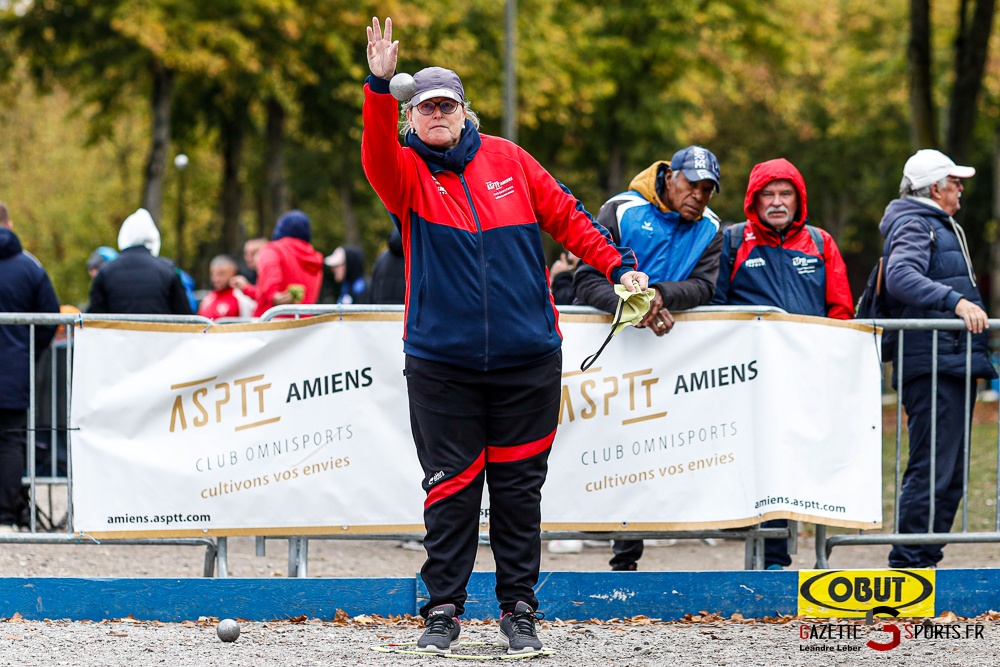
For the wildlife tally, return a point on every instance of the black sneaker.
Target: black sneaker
(517, 630)
(441, 629)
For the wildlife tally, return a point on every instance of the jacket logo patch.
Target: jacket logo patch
(755, 262)
(805, 265)
(647, 226)
(500, 189)
(440, 187)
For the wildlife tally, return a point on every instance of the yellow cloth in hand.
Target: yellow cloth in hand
(632, 307)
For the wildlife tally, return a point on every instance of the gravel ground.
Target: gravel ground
(137, 644)
(704, 641)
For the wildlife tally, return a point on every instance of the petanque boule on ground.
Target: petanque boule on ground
(403, 87)
(228, 630)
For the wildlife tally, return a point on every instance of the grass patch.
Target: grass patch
(982, 477)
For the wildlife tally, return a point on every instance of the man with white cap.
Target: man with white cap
(929, 275)
(139, 282)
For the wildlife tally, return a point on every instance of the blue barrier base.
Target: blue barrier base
(565, 595)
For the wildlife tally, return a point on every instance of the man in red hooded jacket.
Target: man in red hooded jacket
(776, 259)
(288, 260)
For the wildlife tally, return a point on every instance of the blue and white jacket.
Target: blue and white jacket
(680, 257)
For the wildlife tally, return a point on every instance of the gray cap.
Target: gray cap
(437, 82)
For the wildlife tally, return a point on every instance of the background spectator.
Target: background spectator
(561, 278)
(929, 275)
(776, 259)
(348, 264)
(249, 267)
(99, 258)
(24, 288)
(389, 273)
(289, 269)
(225, 300)
(664, 217)
(139, 282)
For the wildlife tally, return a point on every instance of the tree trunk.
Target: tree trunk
(616, 169)
(923, 127)
(995, 242)
(352, 235)
(232, 188)
(179, 255)
(264, 222)
(276, 160)
(156, 165)
(971, 51)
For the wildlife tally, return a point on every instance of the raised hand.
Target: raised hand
(382, 50)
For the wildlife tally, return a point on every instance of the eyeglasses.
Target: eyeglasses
(447, 106)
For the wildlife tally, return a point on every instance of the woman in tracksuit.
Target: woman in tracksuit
(482, 340)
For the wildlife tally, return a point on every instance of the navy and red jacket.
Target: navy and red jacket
(477, 283)
(783, 269)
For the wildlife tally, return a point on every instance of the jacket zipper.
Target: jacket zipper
(482, 267)
(781, 273)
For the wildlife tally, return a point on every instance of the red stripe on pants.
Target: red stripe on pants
(519, 452)
(457, 483)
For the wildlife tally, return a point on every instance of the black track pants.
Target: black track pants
(13, 429)
(474, 425)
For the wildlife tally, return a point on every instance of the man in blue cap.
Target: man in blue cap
(664, 217)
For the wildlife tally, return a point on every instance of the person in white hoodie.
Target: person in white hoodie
(139, 282)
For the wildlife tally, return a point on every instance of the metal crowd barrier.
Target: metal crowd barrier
(69, 536)
(217, 552)
(825, 544)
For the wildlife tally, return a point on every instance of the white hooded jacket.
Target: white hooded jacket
(139, 229)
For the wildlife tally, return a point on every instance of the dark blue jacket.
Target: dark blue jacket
(24, 288)
(926, 274)
(139, 284)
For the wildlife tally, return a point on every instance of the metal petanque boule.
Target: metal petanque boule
(228, 630)
(403, 87)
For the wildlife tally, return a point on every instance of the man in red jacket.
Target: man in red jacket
(776, 259)
(482, 341)
(289, 269)
(225, 300)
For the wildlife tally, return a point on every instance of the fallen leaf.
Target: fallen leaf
(948, 617)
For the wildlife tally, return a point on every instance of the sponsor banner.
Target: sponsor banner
(302, 427)
(859, 593)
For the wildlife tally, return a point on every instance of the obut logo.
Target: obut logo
(853, 593)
